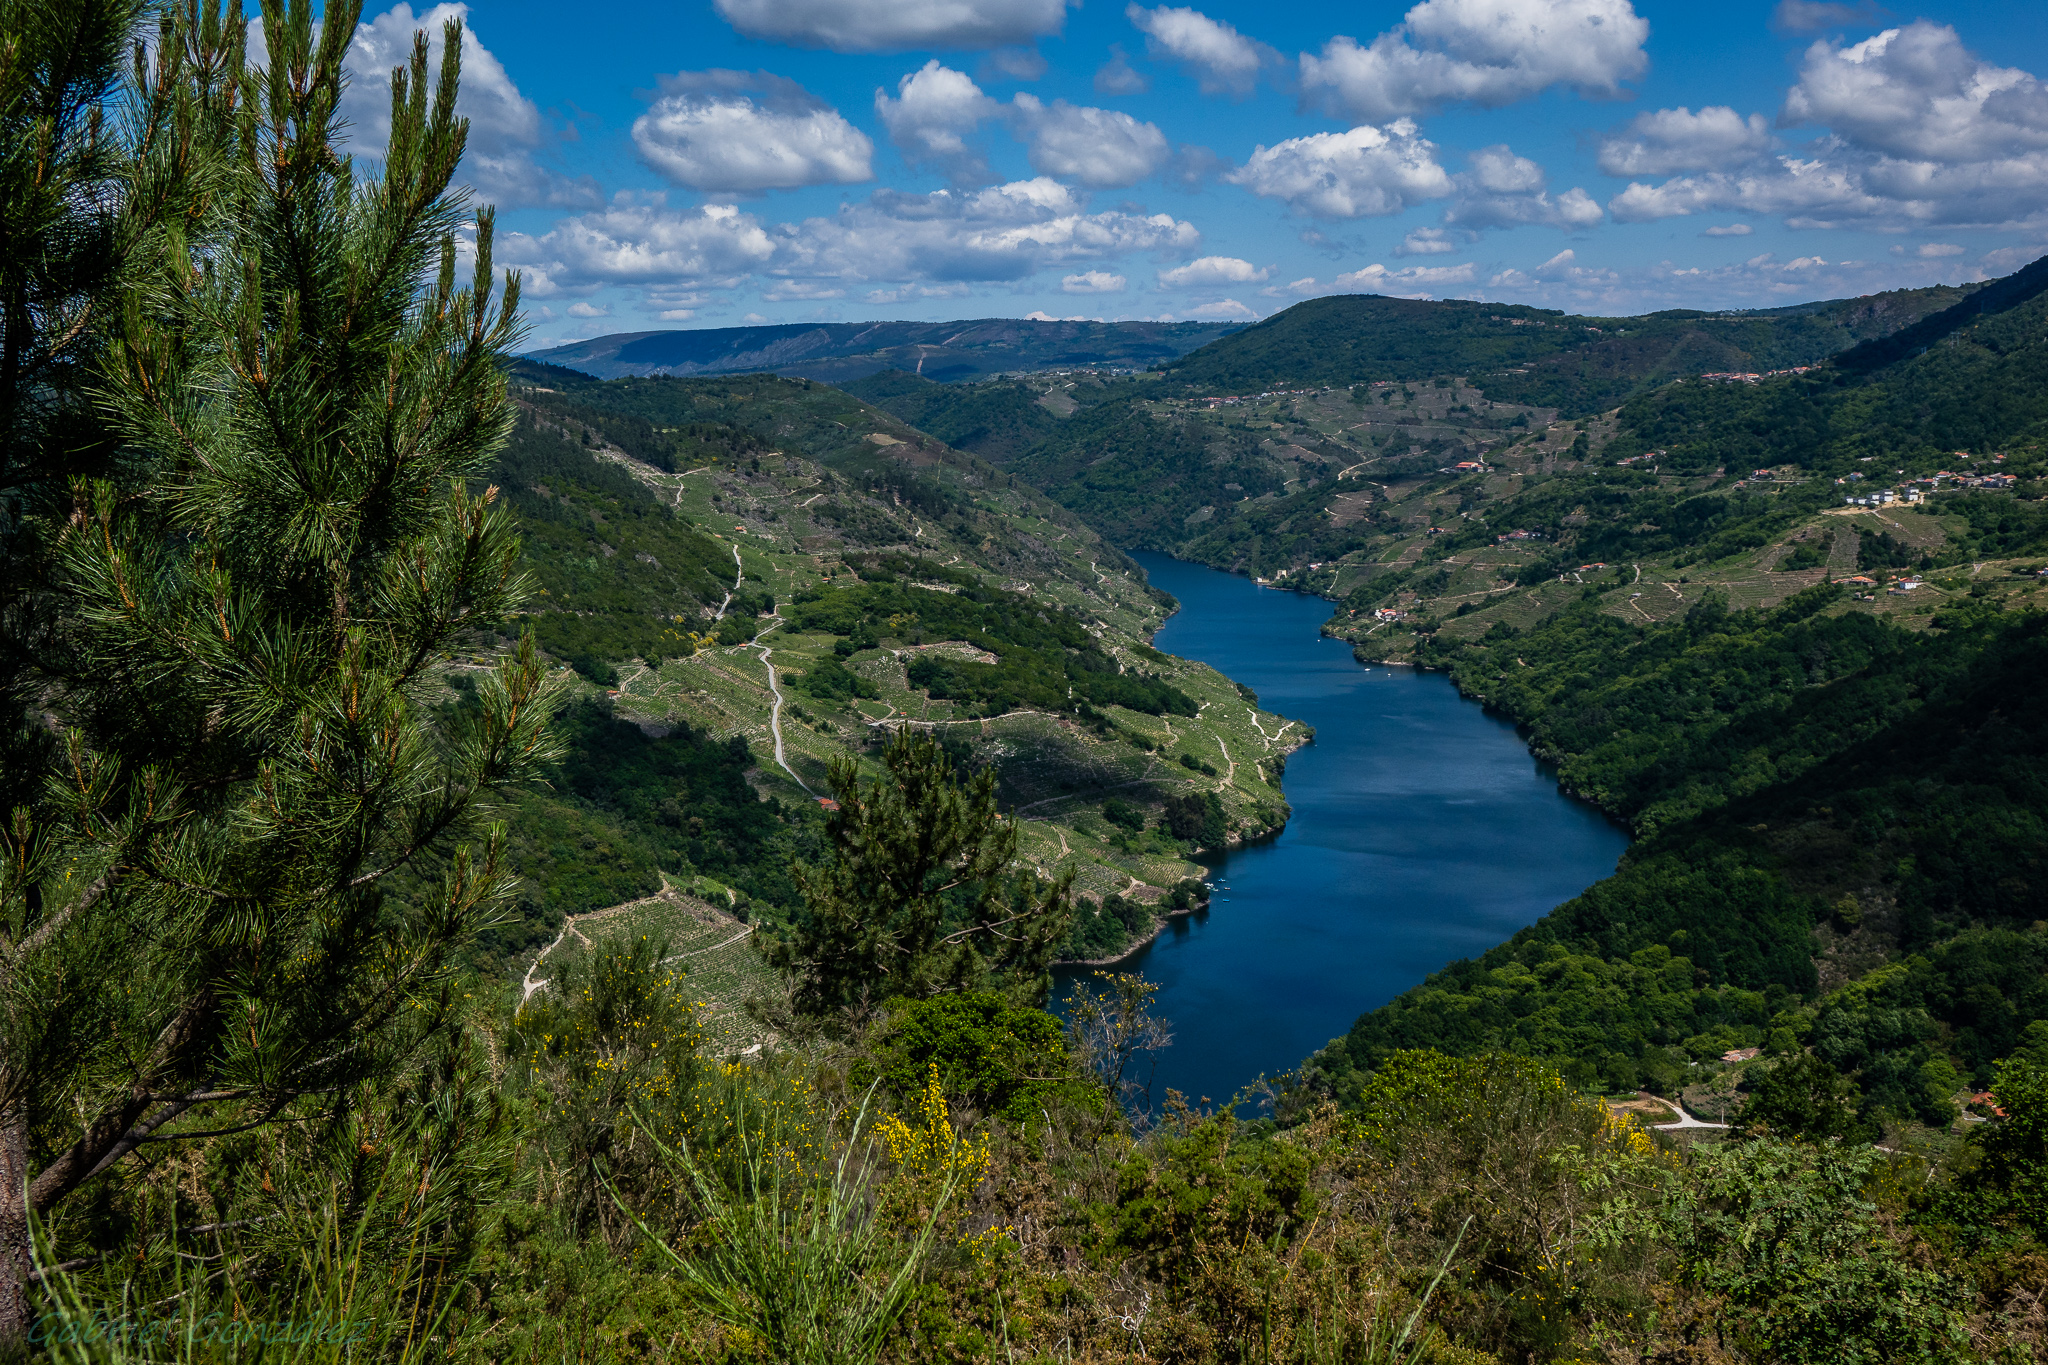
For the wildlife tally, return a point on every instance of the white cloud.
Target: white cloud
(1674, 140)
(1364, 172)
(895, 25)
(644, 243)
(756, 320)
(1212, 271)
(1485, 52)
(1377, 279)
(1100, 148)
(1505, 190)
(745, 132)
(1093, 282)
(1223, 310)
(676, 314)
(1116, 76)
(1426, 241)
(586, 310)
(505, 128)
(1929, 251)
(1223, 60)
(1916, 93)
(1005, 232)
(935, 111)
(1040, 315)
(1921, 134)
(1729, 230)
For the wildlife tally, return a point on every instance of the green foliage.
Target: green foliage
(1780, 1235)
(1046, 658)
(253, 600)
(1802, 1097)
(612, 563)
(1197, 818)
(1122, 813)
(996, 421)
(831, 681)
(1104, 928)
(921, 895)
(1003, 1058)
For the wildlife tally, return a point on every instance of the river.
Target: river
(1423, 832)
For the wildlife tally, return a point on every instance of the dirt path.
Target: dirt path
(775, 687)
(739, 576)
(1685, 1119)
(529, 985)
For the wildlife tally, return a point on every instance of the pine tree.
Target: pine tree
(921, 895)
(254, 603)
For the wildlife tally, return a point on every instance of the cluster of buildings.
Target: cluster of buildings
(1751, 377)
(1221, 401)
(1517, 535)
(1913, 491)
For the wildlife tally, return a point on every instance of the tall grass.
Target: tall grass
(791, 1252)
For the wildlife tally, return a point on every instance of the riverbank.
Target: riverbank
(1420, 832)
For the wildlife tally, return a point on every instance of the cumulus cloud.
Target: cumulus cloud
(641, 243)
(1099, 148)
(746, 132)
(1426, 241)
(1222, 59)
(1929, 251)
(1223, 310)
(1005, 232)
(1365, 172)
(935, 111)
(505, 128)
(1917, 93)
(1484, 52)
(1117, 77)
(1674, 140)
(895, 25)
(1414, 281)
(1505, 190)
(1211, 272)
(1729, 230)
(1921, 132)
(1093, 282)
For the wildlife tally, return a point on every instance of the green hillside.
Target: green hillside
(751, 576)
(1537, 356)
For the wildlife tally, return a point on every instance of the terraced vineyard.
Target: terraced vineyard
(823, 500)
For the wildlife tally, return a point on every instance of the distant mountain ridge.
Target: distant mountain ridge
(841, 351)
(1521, 354)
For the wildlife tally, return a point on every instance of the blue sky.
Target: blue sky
(715, 162)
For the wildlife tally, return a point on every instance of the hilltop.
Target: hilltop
(838, 351)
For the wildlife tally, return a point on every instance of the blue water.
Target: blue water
(1423, 832)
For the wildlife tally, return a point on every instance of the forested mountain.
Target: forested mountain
(1535, 356)
(849, 350)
